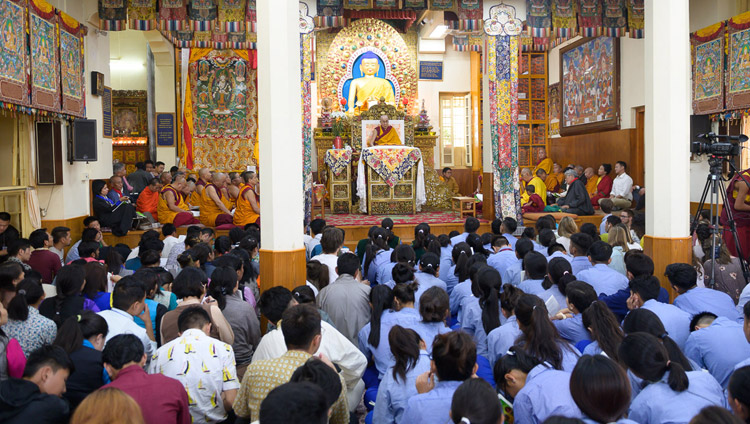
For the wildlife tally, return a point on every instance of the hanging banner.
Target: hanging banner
(707, 49)
(564, 18)
(14, 62)
(142, 14)
(738, 62)
(172, 15)
(232, 15)
(45, 67)
(71, 67)
(614, 20)
(590, 18)
(636, 18)
(113, 15)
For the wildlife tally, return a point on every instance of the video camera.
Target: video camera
(712, 146)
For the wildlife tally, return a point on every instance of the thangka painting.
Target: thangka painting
(707, 48)
(129, 113)
(738, 69)
(590, 84)
(71, 66)
(224, 103)
(45, 68)
(13, 52)
(554, 109)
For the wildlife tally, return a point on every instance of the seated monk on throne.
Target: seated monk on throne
(384, 134)
(172, 208)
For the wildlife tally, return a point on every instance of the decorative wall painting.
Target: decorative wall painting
(113, 14)
(13, 52)
(554, 109)
(71, 67)
(358, 4)
(129, 113)
(443, 4)
(142, 14)
(45, 68)
(738, 60)
(590, 78)
(707, 48)
(172, 14)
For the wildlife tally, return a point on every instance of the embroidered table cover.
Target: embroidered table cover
(338, 159)
(391, 163)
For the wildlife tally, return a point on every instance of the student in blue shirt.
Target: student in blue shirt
(605, 331)
(636, 264)
(454, 357)
(600, 388)
(369, 337)
(402, 254)
(507, 228)
(462, 293)
(716, 344)
(377, 253)
(539, 337)
(739, 393)
(643, 293)
(460, 271)
(559, 274)
(538, 390)
(434, 310)
(427, 276)
(535, 267)
(579, 248)
(446, 255)
(399, 382)
(579, 296)
(503, 255)
(602, 278)
(547, 238)
(530, 234)
(557, 250)
(476, 244)
(502, 338)
(471, 225)
(475, 401)
(672, 394)
(693, 299)
(512, 274)
(746, 330)
(483, 314)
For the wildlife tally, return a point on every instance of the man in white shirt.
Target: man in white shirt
(168, 231)
(316, 232)
(60, 240)
(128, 301)
(331, 242)
(622, 187)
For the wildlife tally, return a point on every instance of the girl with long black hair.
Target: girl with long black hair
(420, 243)
(427, 276)
(376, 254)
(25, 323)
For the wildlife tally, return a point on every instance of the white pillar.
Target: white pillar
(280, 125)
(667, 126)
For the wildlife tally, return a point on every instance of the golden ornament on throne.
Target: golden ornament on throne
(369, 88)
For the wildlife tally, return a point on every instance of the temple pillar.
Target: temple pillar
(282, 257)
(667, 134)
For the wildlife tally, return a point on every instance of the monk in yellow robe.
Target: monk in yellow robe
(451, 182)
(248, 203)
(591, 182)
(384, 134)
(214, 211)
(539, 187)
(554, 180)
(549, 181)
(172, 207)
(369, 88)
(544, 162)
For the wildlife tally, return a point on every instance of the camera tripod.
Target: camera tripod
(715, 187)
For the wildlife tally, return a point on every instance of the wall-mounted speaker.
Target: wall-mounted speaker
(49, 157)
(82, 141)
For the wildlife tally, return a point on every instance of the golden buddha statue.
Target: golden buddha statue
(369, 88)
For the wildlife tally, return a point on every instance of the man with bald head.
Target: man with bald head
(214, 210)
(116, 191)
(539, 187)
(588, 173)
(119, 170)
(172, 208)
(580, 173)
(165, 178)
(384, 134)
(233, 187)
(204, 177)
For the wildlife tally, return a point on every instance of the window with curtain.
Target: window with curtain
(455, 129)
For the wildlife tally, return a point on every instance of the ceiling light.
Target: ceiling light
(125, 65)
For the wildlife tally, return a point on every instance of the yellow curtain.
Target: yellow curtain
(744, 153)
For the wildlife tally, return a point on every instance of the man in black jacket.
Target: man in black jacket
(36, 397)
(140, 178)
(576, 200)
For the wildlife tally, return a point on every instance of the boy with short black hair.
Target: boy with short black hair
(600, 276)
(535, 203)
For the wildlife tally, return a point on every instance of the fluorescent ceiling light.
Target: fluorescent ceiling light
(125, 65)
(439, 31)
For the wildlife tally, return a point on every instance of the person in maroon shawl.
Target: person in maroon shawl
(603, 185)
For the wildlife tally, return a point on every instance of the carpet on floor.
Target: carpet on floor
(442, 217)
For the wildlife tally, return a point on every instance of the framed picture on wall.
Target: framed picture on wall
(590, 86)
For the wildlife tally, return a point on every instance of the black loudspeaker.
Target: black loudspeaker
(699, 124)
(48, 153)
(82, 141)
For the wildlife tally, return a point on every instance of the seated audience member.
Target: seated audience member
(717, 344)
(402, 254)
(150, 279)
(715, 415)
(577, 200)
(42, 259)
(168, 231)
(422, 239)
(565, 230)
(129, 301)
(603, 184)
(672, 394)
(233, 186)
(580, 295)
(214, 209)
(535, 203)
(37, 398)
(116, 194)
(91, 232)
(323, 374)
(88, 251)
(190, 286)
(602, 278)
(346, 300)
(559, 274)
(165, 178)
(116, 215)
(316, 232)
(8, 233)
(69, 300)
(118, 169)
(330, 242)
(398, 385)
(434, 308)
(601, 389)
(637, 264)
(295, 403)
(553, 178)
(162, 399)
(502, 256)
(746, 330)
(590, 181)
(462, 292)
(606, 206)
(140, 177)
(535, 269)
(579, 248)
(643, 294)
(627, 216)
(148, 200)
(728, 274)
(618, 239)
(334, 345)
(427, 276)
(205, 366)
(528, 381)
(82, 337)
(61, 239)
(453, 361)
(622, 187)
(540, 338)
(513, 273)
(25, 323)
(502, 338)
(506, 228)
(739, 393)
(612, 221)
(471, 225)
(643, 320)
(528, 178)
(224, 288)
(693, 299)
(104, 404)
(19, 253)
(248, 201)
(10, 275)
(606, 333)
(172, 207)
(475, 401)
(449, 181)
(482, 312)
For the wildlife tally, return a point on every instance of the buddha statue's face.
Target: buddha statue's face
(369, 67)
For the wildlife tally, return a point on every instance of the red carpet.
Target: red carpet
(369, 220)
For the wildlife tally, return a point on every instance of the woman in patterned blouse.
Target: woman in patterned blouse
(25, 324)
